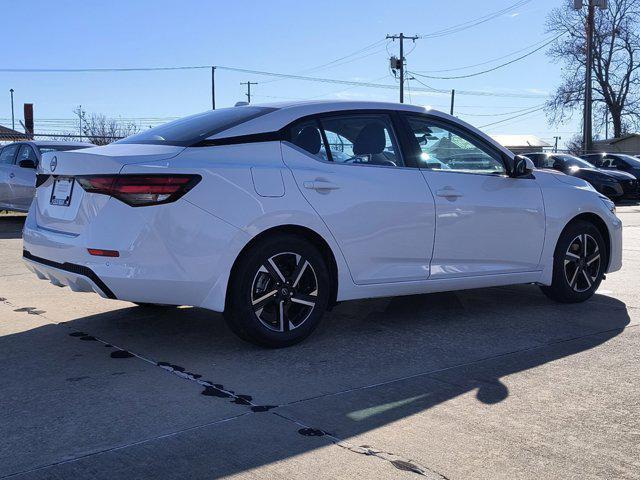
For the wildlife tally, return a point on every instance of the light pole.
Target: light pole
(13, 120)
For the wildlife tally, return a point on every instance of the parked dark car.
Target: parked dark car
(615, 161)
(612, 183)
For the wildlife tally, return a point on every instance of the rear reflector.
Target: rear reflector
(103, 253)
(140, 190)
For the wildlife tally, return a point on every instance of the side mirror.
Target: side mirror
(522, 166)
(27, 163)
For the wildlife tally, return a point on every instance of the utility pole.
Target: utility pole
(555, 147)
(400, 63)
(213, 88)
(588, 115)
(13, 119)
(80, 119)
(453, 100)
(248, 84)
(587, 125)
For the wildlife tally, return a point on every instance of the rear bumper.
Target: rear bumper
(172, 254)
(77, 277)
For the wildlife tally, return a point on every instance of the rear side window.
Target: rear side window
(8, 154)
(195, 128)
(366, 139)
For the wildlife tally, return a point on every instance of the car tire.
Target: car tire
(278, 292)
(577, 269)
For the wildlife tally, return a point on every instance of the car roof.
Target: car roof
(285, 113)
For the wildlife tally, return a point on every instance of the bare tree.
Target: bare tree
(574, 145)
(102, 130)
(616, 65)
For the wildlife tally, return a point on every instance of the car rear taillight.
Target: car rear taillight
(140, 190)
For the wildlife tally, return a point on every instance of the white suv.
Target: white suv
(271, 214)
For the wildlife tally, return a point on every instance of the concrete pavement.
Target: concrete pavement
(492, 383)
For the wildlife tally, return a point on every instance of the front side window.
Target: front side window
(195, 128)
(366, 139)
(449, 149)
(8, 154)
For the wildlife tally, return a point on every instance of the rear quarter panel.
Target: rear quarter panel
(248, 187)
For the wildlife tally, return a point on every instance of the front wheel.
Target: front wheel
(579, 263)
(279, 292)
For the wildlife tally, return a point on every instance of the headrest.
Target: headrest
(371, 139)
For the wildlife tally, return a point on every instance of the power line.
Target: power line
(511, 118)
(336, 62)
(497, 114)
(476, 92)
(475, 22)
(265, 73)
(493, 68)
(485, 62)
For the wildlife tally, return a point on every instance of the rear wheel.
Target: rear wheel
(579, 262)
(278, 293)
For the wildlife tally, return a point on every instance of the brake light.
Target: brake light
(140, 190)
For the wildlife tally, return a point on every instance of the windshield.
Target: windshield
(571, 161)
(195, 128)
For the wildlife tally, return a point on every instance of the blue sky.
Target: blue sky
(275, 35)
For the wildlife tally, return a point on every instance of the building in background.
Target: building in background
(629, 144)
(521, 143)
(7, 135)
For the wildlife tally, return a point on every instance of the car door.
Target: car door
(7, 156)
(350, 169)
(22, 179)
(487, 223)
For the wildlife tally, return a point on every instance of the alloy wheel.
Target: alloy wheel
(582, 263)
(284, 292)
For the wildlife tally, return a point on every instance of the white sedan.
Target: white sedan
(272, 214)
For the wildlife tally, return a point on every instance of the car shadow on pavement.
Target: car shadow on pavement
(11, 225)
(370, 364)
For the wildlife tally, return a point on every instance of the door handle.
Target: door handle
(319, 185)
(12, 175)
(449, 192)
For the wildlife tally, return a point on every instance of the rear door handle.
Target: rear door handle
(448, 192)
(319, 185)
(12, 175)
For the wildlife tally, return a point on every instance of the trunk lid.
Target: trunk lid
(73, 218)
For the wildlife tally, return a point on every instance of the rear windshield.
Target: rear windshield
(191, 130)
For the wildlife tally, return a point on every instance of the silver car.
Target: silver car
(18, 162)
